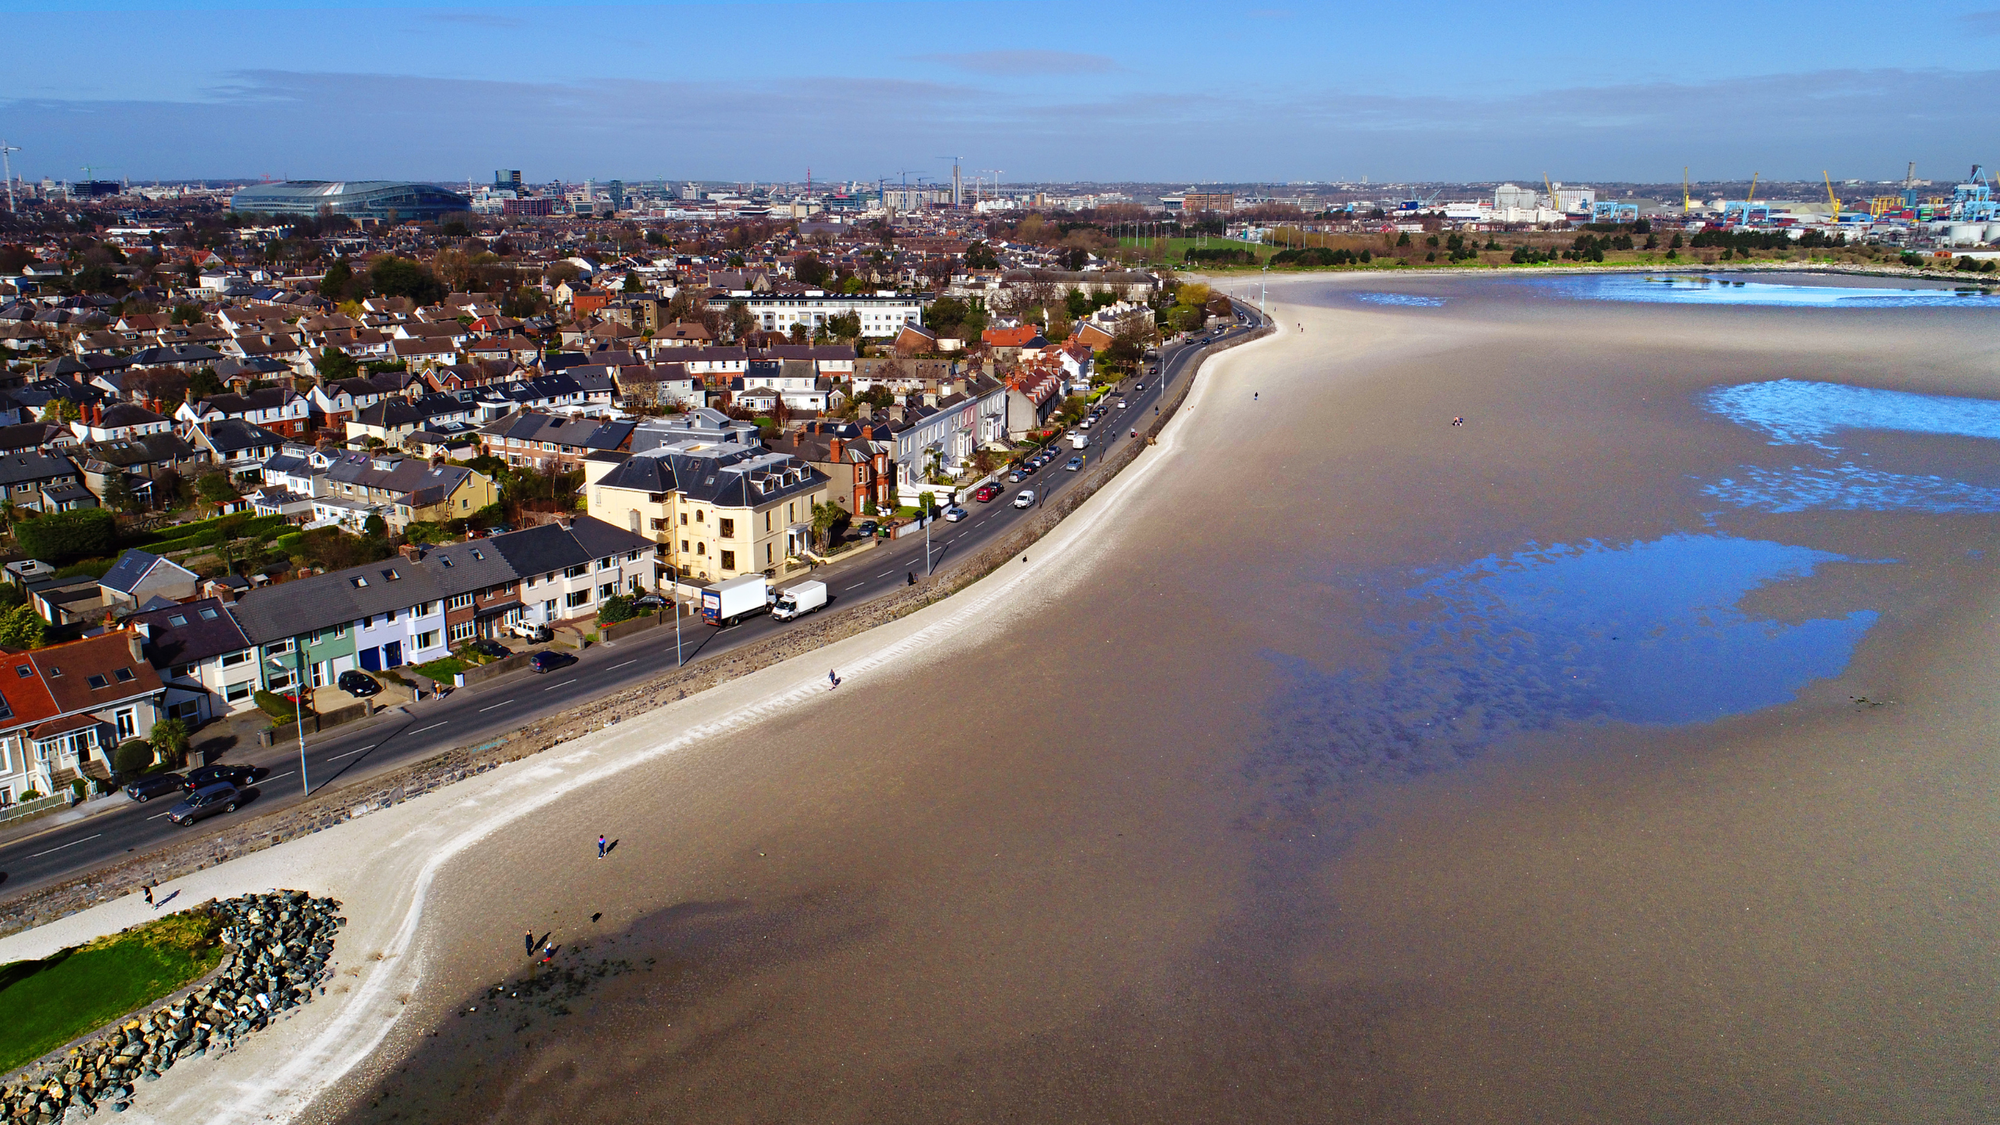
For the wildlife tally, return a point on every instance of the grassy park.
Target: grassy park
(45, 1004)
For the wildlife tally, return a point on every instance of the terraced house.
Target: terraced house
(65, 707)
(414, 607)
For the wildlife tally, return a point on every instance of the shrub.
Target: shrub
(616, 608)
(133, 756)
(279, 708)
(22, 627)
(65, 537)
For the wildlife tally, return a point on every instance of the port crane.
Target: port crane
(1830, 197)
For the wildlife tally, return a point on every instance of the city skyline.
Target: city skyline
(865, 91)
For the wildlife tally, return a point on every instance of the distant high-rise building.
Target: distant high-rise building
(615, 190)
(509, 179)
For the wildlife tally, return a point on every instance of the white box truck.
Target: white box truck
(1079, 440)
(799, 600)
(726, 603)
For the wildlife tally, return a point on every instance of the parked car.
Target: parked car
(358, 684)
(206, 802)
(1025, 498)
(866, 529)
(486, 646)
(955, 513)
(146, 788)
(533, 634)
(986, 492)
(648, 603)
(548, 660)
(1073, 464)
(201, 777)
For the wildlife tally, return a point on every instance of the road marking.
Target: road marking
(421, 730)
(551, 687)
(885, 574)
(71, 844)
(158, 815)
(352, 753)
(502, 703)
(615, 667)
(857, 585)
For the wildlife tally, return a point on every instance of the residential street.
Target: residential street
(38, 853)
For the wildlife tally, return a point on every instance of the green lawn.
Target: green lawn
(442, 670)
(45, 1004)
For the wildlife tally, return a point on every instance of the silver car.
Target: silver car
(206, 802)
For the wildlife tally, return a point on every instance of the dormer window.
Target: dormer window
(97, 682)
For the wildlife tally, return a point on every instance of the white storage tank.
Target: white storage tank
(1965, 234)
(1993, 232)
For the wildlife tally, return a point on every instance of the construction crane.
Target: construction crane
(1752, 197)
(1830, 197)
(1687, 201)
(1554, 203)
(8, 164)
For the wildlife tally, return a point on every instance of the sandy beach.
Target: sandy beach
(1244, 798)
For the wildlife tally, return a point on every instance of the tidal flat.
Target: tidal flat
(1623, 753)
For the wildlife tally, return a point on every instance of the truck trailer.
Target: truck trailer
(726, 603)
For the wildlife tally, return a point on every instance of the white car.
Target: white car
(1025, 498)
(955, 513)
(1121, 404)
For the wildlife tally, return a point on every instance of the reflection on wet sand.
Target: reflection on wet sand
(1148, 852)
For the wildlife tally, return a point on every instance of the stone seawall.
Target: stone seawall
(324, 810)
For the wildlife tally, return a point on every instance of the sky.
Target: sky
(1164, 91)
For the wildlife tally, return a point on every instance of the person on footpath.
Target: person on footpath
(600, 846)
(832, 680)
(149, 897)
(529, 942)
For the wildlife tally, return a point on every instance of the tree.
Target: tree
(65, 537)
(170, 741)
(338, 281)
(374, 527)
(980, 256)
(633, 284)
(216, 488)
(846, 326)
(826, 517)
(399, 277)
(334, 365)
(22, 627)
(203, 384)
(811, 271)
(61, 410)
(741, 323)
(117, 494)
(926, 502)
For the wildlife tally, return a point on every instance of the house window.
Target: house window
(578, 571)
(236, 693)
(236, 658)
(727, 528)
(698, 516)
(128, 724)
(701, 548)
(607, 590)
(684, 519)
(767, 521)
(459, 601)
(729, 560)
(463, 630)
(607, 563)
(576, 598)
(97, 682)
(427, 639)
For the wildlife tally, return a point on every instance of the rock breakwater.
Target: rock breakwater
(281, 951)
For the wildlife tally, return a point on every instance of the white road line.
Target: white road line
(551, 687)
(421, 730)
(857, 585)
(71, 844)
(885, 574)
(158, 815)
(352, 753)
(502, 703)
(615, 667)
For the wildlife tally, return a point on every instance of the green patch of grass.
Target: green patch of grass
(442, 670)
(45, 1004)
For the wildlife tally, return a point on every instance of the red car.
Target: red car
(986, 492)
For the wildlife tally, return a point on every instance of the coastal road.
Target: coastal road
(467, 716)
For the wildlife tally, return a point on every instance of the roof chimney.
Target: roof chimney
(837, 448)
(133, 638)
(412, 551)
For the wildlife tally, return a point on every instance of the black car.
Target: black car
(206, 802)
(486, 646)
(548, 660)
(202, 777)
(154, 785)
(359, 684)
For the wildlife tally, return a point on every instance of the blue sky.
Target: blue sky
(1436, 89)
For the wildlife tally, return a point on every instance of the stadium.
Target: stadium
(380, 200)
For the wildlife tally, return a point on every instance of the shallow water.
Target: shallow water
(1381, 769)
(1682, 289)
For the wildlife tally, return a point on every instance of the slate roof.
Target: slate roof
(585, 433)
(19, 467)
(144, 450)
(233, 435)
(183, 634)
(130, 569)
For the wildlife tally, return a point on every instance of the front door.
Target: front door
(392, 654)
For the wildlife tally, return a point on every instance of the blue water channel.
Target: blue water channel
(1698, 289)
(1820, 419)
(1643, 632)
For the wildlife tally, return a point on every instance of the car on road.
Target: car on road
(955, 513)
(146, 788)
(486, 646)
(205, 802)
(548, 660)
(1073, 464)
(1024, 498)
(201, 777)
(359, 684)
(1018, 475)
(986, 492)
(1121, 404)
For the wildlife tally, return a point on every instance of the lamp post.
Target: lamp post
(299, 704)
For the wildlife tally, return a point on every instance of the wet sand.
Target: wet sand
(1193, 831)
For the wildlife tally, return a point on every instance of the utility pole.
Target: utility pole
(7, 164)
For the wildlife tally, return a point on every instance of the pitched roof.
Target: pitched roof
(183, 634)
(95, 671)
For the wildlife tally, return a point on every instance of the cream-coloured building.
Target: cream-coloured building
(716, 509)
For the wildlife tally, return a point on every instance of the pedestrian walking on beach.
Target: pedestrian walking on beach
(528, 943)
(600, 846)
